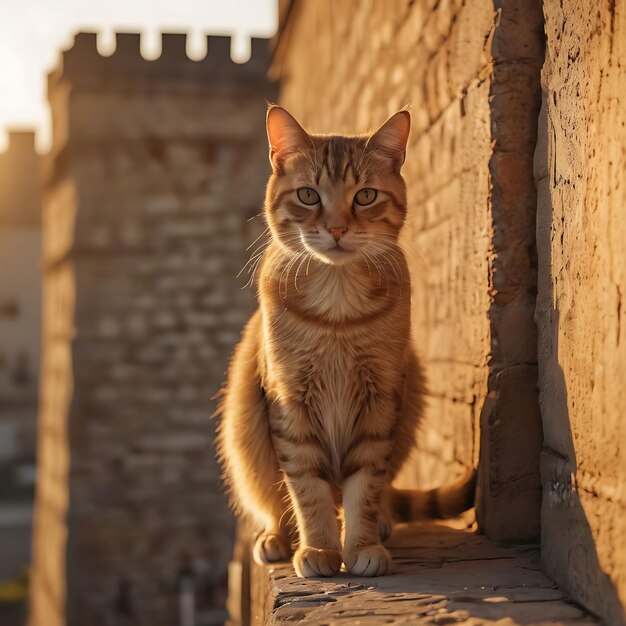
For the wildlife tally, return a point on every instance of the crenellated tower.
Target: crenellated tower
(155, 169)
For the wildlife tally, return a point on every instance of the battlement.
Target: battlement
(20, 196)
(83, 61)
(21, 143)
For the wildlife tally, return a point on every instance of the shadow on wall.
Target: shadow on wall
(568, 548)
(573, 561)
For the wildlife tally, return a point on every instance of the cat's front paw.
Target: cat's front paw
(270, 547)
(372, 560)
(312, 562)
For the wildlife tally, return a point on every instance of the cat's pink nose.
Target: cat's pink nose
(337, 232)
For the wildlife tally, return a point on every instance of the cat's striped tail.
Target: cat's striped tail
(409, 505)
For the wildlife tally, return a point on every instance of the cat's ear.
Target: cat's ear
(284, 134)
(391, 138)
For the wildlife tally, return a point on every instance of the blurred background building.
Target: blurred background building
(20, 295)
(155, 176)
(20, 337)
(151, 193)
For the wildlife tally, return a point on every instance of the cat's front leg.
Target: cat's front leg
(363, 553)
(302, 459)
(364, 489)
(319, 553)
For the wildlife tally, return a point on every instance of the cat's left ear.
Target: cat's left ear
(284, 134)
(391, 138)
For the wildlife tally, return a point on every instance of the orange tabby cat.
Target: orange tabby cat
(324, 392)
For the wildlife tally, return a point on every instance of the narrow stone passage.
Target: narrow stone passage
(441, 575)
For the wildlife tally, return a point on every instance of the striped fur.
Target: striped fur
(449, 501)
(324, 391)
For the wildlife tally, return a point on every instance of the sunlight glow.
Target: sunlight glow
(32, 32)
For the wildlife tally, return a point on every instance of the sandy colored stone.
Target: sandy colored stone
(581, 232)
(440, 575)
(20, 305)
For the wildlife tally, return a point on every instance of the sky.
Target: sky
(32, 32)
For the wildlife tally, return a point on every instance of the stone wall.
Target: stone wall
(581, 315)
(20, 191)
(20, 302)
(470, 71)
(155, 171)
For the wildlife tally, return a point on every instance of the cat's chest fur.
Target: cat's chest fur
(329, 383)
(334, 396)
(324, 381)
(331, 349)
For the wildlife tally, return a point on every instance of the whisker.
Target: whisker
(387, 259)
(381, 265)
(255, 216)
(281, 261)
(369, 269)
(259, 237)
(258, 251)
(376, 265)
(295, 280)
(392, 254)
(254, 269)
(251, 260)
(288, 270)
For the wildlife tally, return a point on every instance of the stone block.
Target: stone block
(509, 492)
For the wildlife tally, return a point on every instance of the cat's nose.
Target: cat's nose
(337, 231)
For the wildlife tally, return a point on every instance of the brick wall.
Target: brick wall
(581, 315)
(156, 168)
(470, 71)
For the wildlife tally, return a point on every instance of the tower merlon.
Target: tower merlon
(20, 142)
(83, 61)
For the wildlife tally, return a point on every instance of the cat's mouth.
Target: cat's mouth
(338, 254)
(338, 248)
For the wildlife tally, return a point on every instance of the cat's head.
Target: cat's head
(341, 198)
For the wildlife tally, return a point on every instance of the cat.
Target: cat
(324, 392)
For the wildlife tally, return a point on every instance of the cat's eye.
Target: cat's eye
(365, 196)
(308, 196)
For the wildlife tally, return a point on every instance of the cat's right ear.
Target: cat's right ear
(391, 138)
(284, 135)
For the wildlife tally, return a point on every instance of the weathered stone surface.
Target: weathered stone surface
(581, 235)
(155, 173)
(441, 575)
(504, 493)
(20, 305)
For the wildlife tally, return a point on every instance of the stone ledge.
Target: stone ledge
(441, 575)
